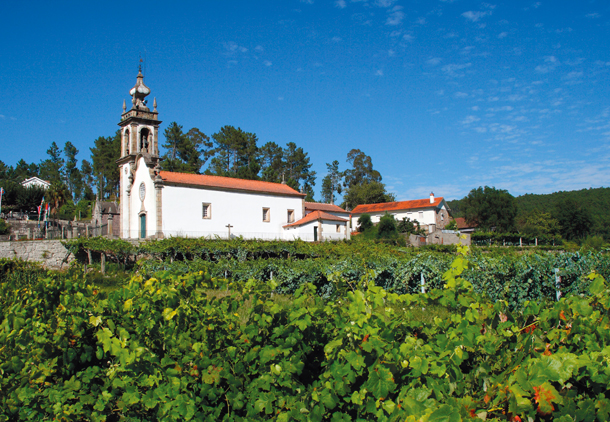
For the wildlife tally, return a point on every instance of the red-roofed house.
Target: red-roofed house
(431, 213)
(464, 227)
(328, 208)
(157, 204)
(318, 226)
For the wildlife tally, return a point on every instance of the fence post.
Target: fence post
(557, 284)
(422, 282)
(536, 242)
(271, 275)
(520, 242)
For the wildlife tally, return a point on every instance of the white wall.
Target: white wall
(182, 213)
(148, 206)
(305, 231)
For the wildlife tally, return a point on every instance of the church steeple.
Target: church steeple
(139, 92)
(139, 125)
(140, 158)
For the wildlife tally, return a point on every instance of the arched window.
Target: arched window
(144, 140)
(126, 142)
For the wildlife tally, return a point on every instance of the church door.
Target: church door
(143, 226)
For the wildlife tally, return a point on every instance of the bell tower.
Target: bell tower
(139, 125)
(139, 151)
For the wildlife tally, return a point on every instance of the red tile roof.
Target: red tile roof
(396, 206)
(316, 215)
(462, 224)
(229, 183)
(317, 206)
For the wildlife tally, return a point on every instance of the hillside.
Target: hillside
(594, 200)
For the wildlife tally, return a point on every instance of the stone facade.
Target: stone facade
(51, 253)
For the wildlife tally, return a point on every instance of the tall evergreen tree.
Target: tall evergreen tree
(297, 167)
(195, 150)
(272, 162)
(174, 137)
(235, 154)
(332, 182)
(88, 179)
(52, 169)
(22, 171)
(104, 154)
(72, 174)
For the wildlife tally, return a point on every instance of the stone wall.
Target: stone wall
(443, 238)
(51, 253)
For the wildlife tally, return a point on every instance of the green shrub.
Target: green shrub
(364, 222)
(387, 227)
(4, 227)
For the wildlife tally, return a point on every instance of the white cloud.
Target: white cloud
(307, 1)
(340, 4)
(551, 63)
(474, 108)
(452, 69)
(470, 119)
(231, 48)
(421, 21)
(497, 109)
(395, 17)
(434, 61)
(379, 73)
(336, 39)
(593, 15)
(267, 63)
(502, 35)
(460, 95)
(280, 98)
(2, 116)
(384, 3)
(475, 16)
(259, 48)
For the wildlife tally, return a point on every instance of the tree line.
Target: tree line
(230, 152)
(573, 215)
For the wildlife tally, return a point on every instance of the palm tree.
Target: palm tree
(56, 196)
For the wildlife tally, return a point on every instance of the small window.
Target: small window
(338, 228)
(206, 211)
(421, 216)
(291, 216)
(442, 216)
(266, 215)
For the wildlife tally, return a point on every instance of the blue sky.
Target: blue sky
(445, 96)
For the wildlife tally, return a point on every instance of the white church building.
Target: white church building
(155, 204)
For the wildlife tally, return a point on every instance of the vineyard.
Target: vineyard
(243, 331)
